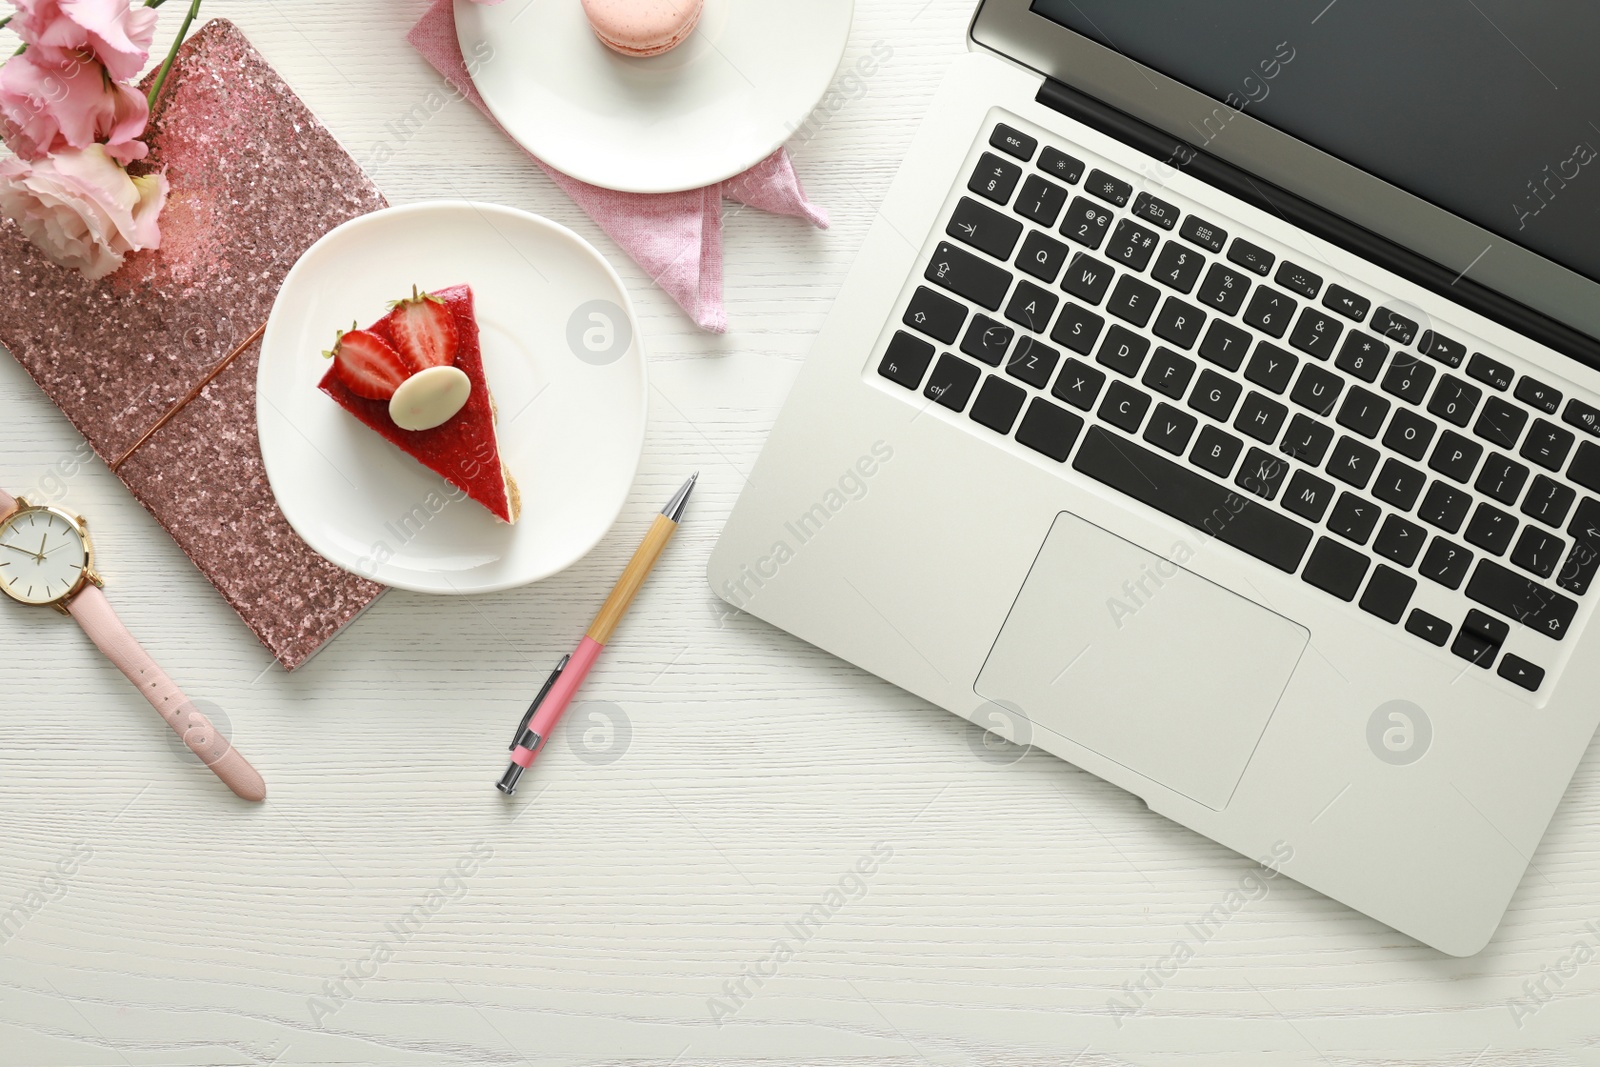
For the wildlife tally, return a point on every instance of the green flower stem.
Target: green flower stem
(166, 67)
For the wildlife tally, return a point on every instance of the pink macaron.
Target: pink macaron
(642, 27)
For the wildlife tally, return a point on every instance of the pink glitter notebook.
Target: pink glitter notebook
(256, 179)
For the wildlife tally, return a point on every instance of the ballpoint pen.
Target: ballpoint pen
(547, 708)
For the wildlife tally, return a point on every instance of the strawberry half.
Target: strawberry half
(369, 365)
(424, 330)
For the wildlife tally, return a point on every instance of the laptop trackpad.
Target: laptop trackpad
(1128, 654)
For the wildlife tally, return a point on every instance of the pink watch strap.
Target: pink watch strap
(93, 612)
(8, 503)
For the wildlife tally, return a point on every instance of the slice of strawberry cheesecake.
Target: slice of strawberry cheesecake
(416, 378)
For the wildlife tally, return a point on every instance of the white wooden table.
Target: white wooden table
(387, 906)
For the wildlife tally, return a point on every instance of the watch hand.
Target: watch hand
(14, 548)
(39, 555)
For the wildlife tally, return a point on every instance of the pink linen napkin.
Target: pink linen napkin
(677, 237)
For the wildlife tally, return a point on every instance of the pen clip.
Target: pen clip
(549, 683)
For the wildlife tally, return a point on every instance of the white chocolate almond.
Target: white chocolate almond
(430, 398)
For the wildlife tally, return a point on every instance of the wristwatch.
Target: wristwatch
(47, 560)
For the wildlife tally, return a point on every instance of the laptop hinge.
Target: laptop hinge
(1323, 223)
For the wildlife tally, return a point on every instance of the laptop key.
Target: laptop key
(1250, 257)
(1518, 671)
(994, 178)
(1430, 628)
(1454, 400)
(1501, 478)
(1308, 496)
(1548, 501)
(951, 382)
(998, 404)
(1087, 278)
(1444, 507)
(1216, 451)
(1480, 637)
(906, 360)
(1111, 190)
(1270, 311)
(1388, 593)
(1042, 256)
(1124, 406)
(1297, 279)
(1031, 307)
(1408, 378)
(1077, 328)
(1399, 484)
(1169, 373)
(1032, 362)
(1223, 289)
(1353, 462)
(1261, 473)
(1049, 429)
(1585, 469)
(1170, 429)
(1317, 390)
(1501, 423)
(1409, 434)
(1335, 569)
(1584, 416)
(1260, 418)
(1362, 355)
(1159, 212)
(1491, 529)
(1578, 572)
(1446, 350)
(1133, 300)
(1271, 367)
(1198, 231)
(984, 228)
(1056, 162)
(1013, 142)
(1547, 444)
(1353, 518)
(1131, 245)
(1179, 323)
(1316, 334)
(1536, 394)
(1400, 540)
(1538, 551)
(1490, 372)
(1215, 395)
(1178, 267)
(1516, 596)
(1078, 384)
(1123, 351)
(1455, 456)
(1225, 345)
(1394, 326)
(987, 340)
(1445, 562)
(1086, 222)
(1349, 304)
(1306, 440)
(1192, 499)
(1363, 412)
(1041, 200)
(966, 275)
(935, 315)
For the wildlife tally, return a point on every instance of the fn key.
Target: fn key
(906, 361)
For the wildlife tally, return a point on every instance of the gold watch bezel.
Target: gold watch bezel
(78, 523)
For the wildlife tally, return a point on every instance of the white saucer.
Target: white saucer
(716, 105)
(563, 358)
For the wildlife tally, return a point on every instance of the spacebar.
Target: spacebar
(1192, 499)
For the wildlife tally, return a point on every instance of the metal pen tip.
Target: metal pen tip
(680, 499)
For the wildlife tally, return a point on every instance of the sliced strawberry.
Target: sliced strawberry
(369, 365)
(424, 330)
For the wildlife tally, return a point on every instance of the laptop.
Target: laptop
(1214, 405)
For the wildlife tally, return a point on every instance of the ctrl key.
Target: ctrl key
(906, 361)
(1519, 671)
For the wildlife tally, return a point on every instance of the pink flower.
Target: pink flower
(81, 209)
(114, 32)
(45, 108)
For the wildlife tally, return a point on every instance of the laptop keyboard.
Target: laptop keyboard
(1171, 355)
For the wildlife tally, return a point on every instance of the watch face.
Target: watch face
(42, 557)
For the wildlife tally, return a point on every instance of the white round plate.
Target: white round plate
(716, 105)
(562, 356)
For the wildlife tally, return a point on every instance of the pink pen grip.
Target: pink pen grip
(549, 713)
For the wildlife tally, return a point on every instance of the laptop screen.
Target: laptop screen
(1487, 108)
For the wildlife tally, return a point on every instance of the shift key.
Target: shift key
(966, 275)
(1192, 499)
